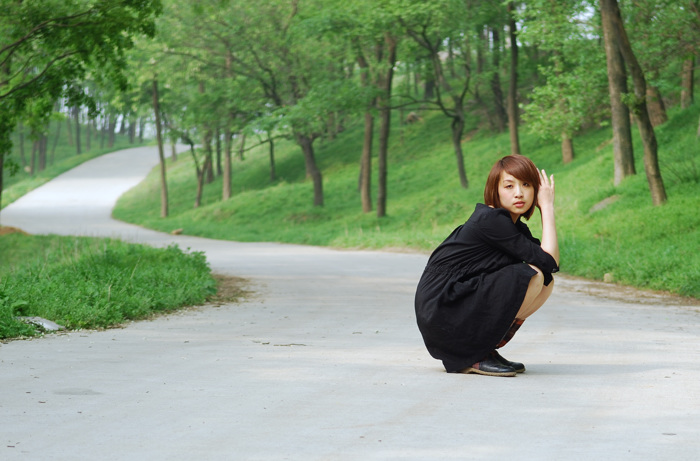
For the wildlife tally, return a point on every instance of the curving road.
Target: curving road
(325, 362)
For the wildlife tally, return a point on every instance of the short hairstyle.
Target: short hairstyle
(520, 167)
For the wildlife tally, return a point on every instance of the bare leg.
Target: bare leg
(537, 294)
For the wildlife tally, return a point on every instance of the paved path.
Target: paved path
(325, 363)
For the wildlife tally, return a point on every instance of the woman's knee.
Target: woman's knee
(538, 278)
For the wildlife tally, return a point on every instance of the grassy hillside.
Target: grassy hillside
(632, 241)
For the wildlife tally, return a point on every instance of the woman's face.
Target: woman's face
(516, 196)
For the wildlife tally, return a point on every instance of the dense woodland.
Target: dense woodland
(224, 75)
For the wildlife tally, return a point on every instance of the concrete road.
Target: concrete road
(325, 362)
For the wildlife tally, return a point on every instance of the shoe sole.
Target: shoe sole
(506, 374)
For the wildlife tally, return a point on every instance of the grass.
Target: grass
(631, 240)
(92, 283)
(81, 282)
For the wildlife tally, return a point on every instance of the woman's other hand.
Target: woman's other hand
(545, 195)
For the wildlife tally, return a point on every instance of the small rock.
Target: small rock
(608, 278)
(47, 325)
(177, 231)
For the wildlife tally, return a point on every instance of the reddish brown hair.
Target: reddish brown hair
(520, 167)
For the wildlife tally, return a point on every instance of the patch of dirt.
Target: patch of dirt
(5, 230)
(230, 289)
(624, 293)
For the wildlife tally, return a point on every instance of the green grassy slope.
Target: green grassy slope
(636, 243)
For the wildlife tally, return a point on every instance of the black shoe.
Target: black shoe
(517, 366)
(490, 367)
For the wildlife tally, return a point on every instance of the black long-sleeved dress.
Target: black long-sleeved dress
(474, 284)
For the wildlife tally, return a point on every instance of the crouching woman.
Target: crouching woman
(490, 274)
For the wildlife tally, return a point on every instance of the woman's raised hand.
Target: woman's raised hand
(545, 196)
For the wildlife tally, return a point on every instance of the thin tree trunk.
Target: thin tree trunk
(273, 173)
(103, 131)
(228, 149)
(161, 154)
(200, 182)
(43, 142)
(457, 131)
(88, 135)
(617, 83)
(501, 116)
(32, 159)
(219, 169)
(366, 164)
(687, 92)
(55, 141)
(2, 173)
(70, 129)
(385, 125)
(241, 147)
(365, 182)
(132, 130)
(312, 170)
(21, 145)
(173, 151)
(646, 130)
(112, 128)
(513, 119)
(76, 114)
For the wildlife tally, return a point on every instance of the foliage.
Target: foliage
(94, 283)
(630, 239)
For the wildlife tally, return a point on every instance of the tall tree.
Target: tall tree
(513, 109)
(571, 70)
(611, 15)
(623, 152)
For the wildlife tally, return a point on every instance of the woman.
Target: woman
(490, 274)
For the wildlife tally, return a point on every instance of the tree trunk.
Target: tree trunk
(228, 149)
(457, 131)
(657, 109)
(646, 130)
(103, 131)
(513, 119)
(161, 154)
(173, 151)
(200, 181)
(132, 130)
(241, 147)
(55, 141)
(32, 159)
(501, 116)
(70, 129)
(312, 170)
(2, 173)
(219, 169)
(567, 149)
(366, 164)
(76, 114)
(43, 142)
(365, 183)
(273, 174)
(208, 166)
(112, 128)
(385, 124)
(21, 145)
(88, 135)
(617, 83)
(687, 93)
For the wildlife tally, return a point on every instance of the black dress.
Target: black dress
(474, 284)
